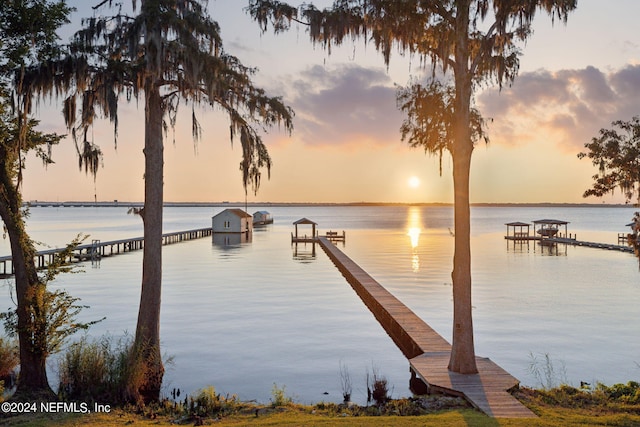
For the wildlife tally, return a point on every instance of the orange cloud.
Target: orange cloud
(569, 106)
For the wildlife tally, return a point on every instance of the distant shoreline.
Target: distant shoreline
(76, 204)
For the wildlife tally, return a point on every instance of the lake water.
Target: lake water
(245, 317)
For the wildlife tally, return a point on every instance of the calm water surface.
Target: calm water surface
(244, 317)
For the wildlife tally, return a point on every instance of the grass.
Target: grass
(562, 406)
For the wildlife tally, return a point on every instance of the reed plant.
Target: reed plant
(345, 383)
(97, 370)
(279, 396)
(547, 372)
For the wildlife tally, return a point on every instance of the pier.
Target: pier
(574, 241)
(97, 249)
(428, 352)
(548, 233)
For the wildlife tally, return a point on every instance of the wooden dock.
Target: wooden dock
(608, 246)
(98, 249)
(428, 352)
(329, 235)
(572, 241)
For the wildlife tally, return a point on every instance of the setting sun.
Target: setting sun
(414, 182)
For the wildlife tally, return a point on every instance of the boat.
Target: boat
(547, 231)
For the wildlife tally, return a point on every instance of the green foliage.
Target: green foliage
(27, 39)
(430, 113)
(28, 31)
(616, 154)
(96, 371)
(622, 393)
(185, 61)
(431, 30)
(54, 320)
(600, 397)
(52, 314)
(279, 397)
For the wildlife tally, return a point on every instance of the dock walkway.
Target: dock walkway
(428, 352)
(98, 249)
(573, 241)
(608, 246)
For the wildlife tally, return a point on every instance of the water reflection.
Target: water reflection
(414, 235)
(227, 240)
(414, 221)
(303, 253)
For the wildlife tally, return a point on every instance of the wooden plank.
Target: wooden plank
(487, 390)
(412, 335)
(428, 352)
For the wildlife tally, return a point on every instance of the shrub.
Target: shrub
(622, 393)
(278, 396)
(9, 358)
(208, 403)
(377, 388)
(97, 371)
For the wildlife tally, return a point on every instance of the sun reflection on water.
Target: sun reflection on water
(414, 220)
(414, 235)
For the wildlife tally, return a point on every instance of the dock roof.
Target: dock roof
(304, 221)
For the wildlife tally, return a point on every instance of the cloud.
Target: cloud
(567, 106)
(343, 105)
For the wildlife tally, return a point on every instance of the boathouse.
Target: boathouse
(232, 221)
(262, 218)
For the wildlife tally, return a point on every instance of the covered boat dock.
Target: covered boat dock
(550, 228)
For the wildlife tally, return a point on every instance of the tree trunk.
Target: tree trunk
(463, 359)
(32, 381)
(148, 329)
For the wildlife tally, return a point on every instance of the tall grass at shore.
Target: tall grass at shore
(96, 371)
(9, 361)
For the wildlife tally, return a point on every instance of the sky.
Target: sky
(574, 80)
